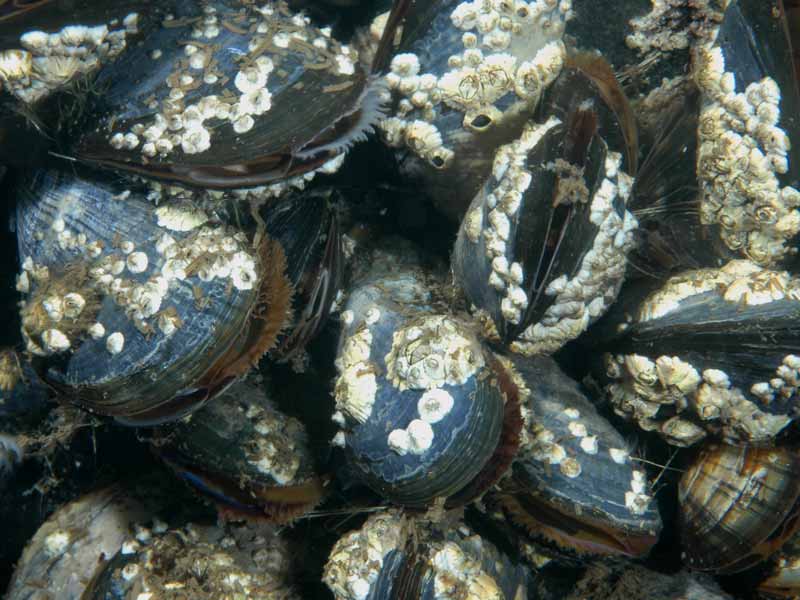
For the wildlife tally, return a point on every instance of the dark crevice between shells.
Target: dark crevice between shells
(274, 504)
(579, 534)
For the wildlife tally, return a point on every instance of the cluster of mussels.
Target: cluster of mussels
(564, 361)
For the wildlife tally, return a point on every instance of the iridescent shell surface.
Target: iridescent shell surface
(738, 506)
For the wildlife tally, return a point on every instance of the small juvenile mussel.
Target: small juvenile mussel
(398, 556)
(541, 252)
(465, 78)
(210, 98)
(138, 311)
(244, 454)
(201, 562)
(420, 401)
(738, 506)
(710, 351)
(574, 483)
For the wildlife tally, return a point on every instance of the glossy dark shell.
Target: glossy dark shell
(448, 561)
(712, 350)
(541, 251)
(783, 579)
(421, 403)
(172, 352)
(738, 506)
(211, 98)
(574, 482)
(246, 456)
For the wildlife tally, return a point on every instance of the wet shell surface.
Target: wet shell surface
(422, 411)
(712, 350)
(136, 311)
(199, 562)
(243, 453)
(463, 81)
(448, 562)
(66, 551)
(738, 506)
(541, 251)
(210, 98)
(574, 482)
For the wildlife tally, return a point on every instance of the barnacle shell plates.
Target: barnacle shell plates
(140, 312)
(199, 562)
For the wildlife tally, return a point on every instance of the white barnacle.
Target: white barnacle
(420, 436)
(195, 140)
(55, 341)
(137, 262)
(434, 405)
(57, 542)
(250, 79)
(73, 305)
(115, 342)
(177, 218)
(243, 124)
(589, 444)
(399, 441)
(570, 467)
(96, 331)
(618, 455)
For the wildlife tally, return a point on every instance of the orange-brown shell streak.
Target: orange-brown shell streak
(738, 506)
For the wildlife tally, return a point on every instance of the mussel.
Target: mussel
(712, 350)
(738, 506)
(245, 455)
(210, 98)
(574, 483)
(143, 312)
(425, 409)
(465, 78)
(397, 556)
(542, 249)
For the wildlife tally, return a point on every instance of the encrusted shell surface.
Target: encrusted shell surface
(712, 350)
(210, 98)
(137, 311)
(71, 545)
(574, 481)
(749, 172)
(738, 506)
(198, 562)
(46, 46)
(421, 403)
(465, 78)
(243, 453)
(448, 562)
(542, 249)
